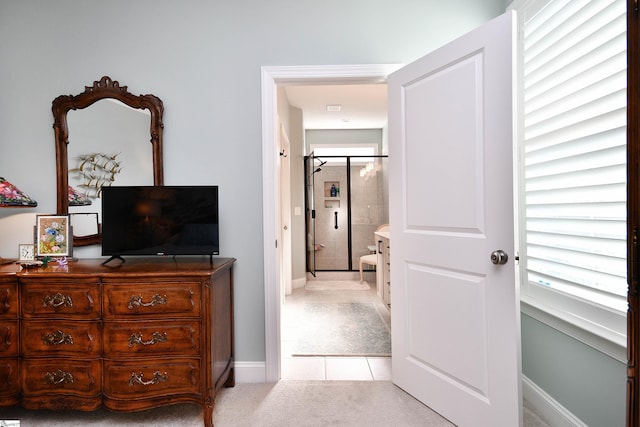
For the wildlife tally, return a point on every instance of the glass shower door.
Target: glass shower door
(347, 200)
(369, 204)
(331, 214)
(309, 168)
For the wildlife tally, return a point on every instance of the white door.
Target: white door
(454, 313)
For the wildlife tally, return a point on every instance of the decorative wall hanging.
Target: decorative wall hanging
(97, 170)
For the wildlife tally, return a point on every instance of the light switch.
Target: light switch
(297, 210)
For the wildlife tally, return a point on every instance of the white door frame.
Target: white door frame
(271, 77)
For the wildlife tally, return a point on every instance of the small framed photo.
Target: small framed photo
(84, 223)
(52, 235)
(26, 252)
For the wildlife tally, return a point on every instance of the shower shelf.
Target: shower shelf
(327, 189)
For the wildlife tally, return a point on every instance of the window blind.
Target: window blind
(574, 78)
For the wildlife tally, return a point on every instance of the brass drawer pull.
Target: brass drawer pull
(5, 302)
(58, 377)
(157, 378)
(7, 338)
(136, 301)
(57, 300)
(57, 338)
(157, 338)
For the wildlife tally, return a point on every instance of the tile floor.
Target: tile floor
(336, 368)
(328, 368)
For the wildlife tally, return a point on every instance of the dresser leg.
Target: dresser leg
(208, 415)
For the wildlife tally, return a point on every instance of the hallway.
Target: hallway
(344, 368)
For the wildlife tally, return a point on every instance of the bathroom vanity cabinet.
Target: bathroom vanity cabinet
(130, 337)
(383, 273)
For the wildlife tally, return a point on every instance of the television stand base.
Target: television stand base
(112, 258)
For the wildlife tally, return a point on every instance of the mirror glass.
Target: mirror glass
(104, 136)
(108, 145)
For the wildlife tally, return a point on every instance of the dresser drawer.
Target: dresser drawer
(79, 299)
(60, 338)
(60, 375)
(8, 338)
(149, 338)
(151, 378)
(8, 299)
(9, 378)
(167, 299)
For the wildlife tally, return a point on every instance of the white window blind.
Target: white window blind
(574, 78)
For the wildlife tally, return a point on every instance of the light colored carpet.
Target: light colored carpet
(342, 329)
(336, 285)
(283, 404)
(322, 403)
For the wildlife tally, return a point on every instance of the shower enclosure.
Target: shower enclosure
(346, 200)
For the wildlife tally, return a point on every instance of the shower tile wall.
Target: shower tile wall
(369, 210)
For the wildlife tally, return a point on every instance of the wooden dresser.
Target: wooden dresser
(130, 336)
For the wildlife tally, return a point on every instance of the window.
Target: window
(573, 162)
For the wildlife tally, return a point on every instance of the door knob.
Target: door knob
(499, 257)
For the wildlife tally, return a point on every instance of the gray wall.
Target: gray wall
(587, 382)
(203, 59)
(291, 120)
(298, 239)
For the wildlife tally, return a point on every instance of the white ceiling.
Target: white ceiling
(363, 106)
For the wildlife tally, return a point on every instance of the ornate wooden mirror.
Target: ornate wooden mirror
(104, 149)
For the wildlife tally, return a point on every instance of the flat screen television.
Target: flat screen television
(159, 221)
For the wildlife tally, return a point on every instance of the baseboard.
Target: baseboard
(334, 275)
(547, 407)
(298, 283)
(250, 372)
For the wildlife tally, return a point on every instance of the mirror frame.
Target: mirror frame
(101, 89)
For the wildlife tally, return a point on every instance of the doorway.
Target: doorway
(272, 232)
(337, 327)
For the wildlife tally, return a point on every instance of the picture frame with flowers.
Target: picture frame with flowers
(53, 236)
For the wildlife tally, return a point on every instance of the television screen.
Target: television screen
(166, 220)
